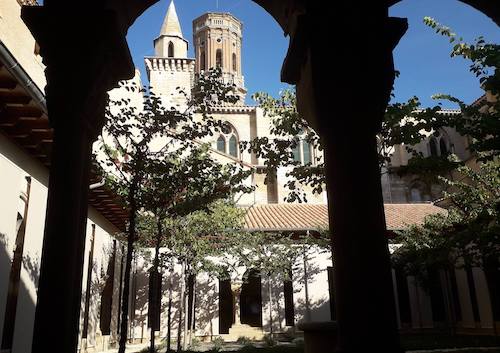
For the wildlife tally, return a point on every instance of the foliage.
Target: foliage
(429, 169)
(470, 230)
(269, 341)
(155, 161)
(218, 344)
(404, 123)
(197, 237)
(287, 131)
(481, 120)
(244, 340)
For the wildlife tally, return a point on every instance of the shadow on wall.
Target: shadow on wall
(170, 278)
(319, 310)
(307, 306)
(207, 307)
(18, 307)
(139, 316)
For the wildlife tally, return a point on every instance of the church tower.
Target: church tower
(217, 43)
(170, 67)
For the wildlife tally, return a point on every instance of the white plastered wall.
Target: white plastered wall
(15, 164)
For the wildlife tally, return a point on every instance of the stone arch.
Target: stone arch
(488, 8)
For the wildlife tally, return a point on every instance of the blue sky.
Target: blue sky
(422, 56)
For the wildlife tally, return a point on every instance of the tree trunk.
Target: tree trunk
(306, 285)
(169, 313)
(156, 263)
(128, 267)
(270, 293)
(192, 309)
(186, 313)
(181, 307)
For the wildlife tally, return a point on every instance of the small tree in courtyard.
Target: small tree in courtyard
(137, 139)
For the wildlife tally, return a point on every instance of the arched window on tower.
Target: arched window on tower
(235, 64)
(202, 61)
(170, 49)
(218, 58)
(221, 144)
(233, 146)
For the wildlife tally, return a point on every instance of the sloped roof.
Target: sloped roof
(24, 120)
(290, 217)
(171, 25)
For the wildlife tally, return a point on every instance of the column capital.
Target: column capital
(85, 53)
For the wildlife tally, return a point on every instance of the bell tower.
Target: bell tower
(170, 69)
(217, 43)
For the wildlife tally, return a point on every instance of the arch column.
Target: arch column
(86, 54)
(344, 96)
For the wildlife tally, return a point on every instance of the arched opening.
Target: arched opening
(251, 299)
(233, 146)
(202, 61)
(218, 58)
(307, 151)
(415, 194)
(296, 152)
(235, 64)
(221, 144)
(225, 306)
(170, 49)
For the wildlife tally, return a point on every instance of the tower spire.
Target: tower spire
(171, 25)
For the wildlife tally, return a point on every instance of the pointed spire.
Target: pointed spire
(171, 25)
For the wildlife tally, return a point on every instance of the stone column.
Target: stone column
(343, 95)
(236, 290)
(86, 54)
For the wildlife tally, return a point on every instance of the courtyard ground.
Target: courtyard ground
(413, 343)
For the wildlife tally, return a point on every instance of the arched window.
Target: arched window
(433, 147)
(221, 144)
(228, 141)
(170, 49)
(296, 152)
(233, 146)
(202, 61)
(235, 66)
(443, 147)
(307, 151)
(218, 58)
(415, 194)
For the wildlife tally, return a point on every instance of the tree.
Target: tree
(181, 184)
(404, 123)
(139, 141)
(469, 231)
(195, 240)
(481, 120)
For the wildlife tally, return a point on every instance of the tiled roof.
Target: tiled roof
(281, 217)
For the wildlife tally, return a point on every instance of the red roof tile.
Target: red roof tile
(274, 217)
